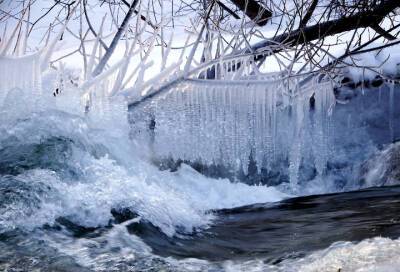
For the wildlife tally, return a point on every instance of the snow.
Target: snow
(385, 62)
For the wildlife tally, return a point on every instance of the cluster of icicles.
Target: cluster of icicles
(230, 122)
(22, 72)
(220, 122)
(21, 93)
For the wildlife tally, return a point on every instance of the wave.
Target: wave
(370, 255)
(54, 164)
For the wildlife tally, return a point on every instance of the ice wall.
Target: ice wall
(227, 122)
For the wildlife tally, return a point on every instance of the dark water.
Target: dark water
(290, 228)
(272, 232)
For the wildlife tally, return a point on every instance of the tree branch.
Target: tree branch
(362, 19)
(231, 12)
(383, 32)
(309, 13)
(141, 16)
(99, 68)
(91, 27)
(256, 12)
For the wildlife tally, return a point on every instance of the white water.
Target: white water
(371, 255)
(116, 178)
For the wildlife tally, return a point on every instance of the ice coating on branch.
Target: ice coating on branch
(230, 122)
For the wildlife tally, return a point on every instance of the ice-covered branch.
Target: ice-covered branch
(99, 68)
(362, 19)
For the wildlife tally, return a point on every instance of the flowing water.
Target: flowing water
(76, 195)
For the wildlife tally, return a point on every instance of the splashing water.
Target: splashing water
(82, 166)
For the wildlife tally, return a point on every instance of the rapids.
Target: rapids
(77, 194)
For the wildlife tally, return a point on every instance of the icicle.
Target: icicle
(20, 72)
(324, 99)
(391, 109)
(295, 155)
(216, 121)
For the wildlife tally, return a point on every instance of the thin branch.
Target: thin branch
(91, 27)
(99, 68)
(309, 13)
(383, 32)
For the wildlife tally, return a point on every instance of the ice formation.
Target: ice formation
(21, 93)
(20, 73)
(109, 173)
(227, 122)
(225, 112)
(391, 110)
